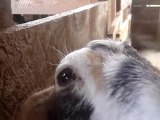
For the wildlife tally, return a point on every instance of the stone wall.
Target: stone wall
(28, 56)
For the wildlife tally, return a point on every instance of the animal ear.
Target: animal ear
(127, 42)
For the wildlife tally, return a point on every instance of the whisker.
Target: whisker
(59, 52)
(52, 64)
(59, 56)
(66, 50)
(70, 50)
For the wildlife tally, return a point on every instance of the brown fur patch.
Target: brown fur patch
(96, 65)
(35, 107)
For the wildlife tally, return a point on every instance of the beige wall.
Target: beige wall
(26, 51)
(43, 7)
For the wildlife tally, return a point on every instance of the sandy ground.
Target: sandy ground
(153, 56)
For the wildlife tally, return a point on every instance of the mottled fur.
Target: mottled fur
(113, 82)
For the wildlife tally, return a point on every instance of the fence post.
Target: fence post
(5, 14)
(158, 27)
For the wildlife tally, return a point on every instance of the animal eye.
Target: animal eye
(66, 76)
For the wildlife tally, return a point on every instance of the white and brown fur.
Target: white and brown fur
(112, 82)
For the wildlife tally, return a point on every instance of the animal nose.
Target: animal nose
(66, 76)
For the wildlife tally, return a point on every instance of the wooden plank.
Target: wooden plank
(125, 4)
(93, 1)
(118, 5)
(158, 28)
(119, 18)
(111, 15)
(5, 14)
(144, 27)
(113, 9)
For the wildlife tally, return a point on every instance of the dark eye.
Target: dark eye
(66, 76)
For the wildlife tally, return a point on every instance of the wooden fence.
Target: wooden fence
(119, 18)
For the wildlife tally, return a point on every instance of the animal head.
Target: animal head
(87, 71)
(108, 80)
